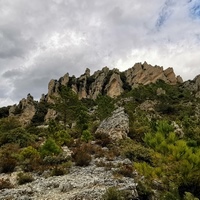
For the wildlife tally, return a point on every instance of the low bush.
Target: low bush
(58, 171)
(5, 184)
(113, 193)
(8, 160)
(86, 136)
(62, 169)
(103, 139)
(126, 170)
(81, 156)
(135, 151)
(16, 136)
(23, 178)
(30, 159)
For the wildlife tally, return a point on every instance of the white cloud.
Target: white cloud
(52, 37)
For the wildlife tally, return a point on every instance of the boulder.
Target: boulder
(116, 126)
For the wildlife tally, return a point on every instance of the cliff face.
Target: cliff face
(145, 74)
(112, 82)
(106, 82)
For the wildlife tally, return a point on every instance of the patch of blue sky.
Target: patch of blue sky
(195, 9)
(164, 14)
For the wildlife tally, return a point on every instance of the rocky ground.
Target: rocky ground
(81, 183)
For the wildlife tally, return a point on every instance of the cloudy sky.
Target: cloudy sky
(44, 39)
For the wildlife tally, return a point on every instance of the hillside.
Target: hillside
(110, 135)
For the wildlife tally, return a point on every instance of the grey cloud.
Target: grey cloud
(52, 37)
(12, 73)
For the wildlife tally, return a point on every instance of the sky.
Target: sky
(42, 40)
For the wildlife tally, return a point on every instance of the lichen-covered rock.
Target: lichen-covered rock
(116, 126)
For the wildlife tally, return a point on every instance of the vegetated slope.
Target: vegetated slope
(160, 147)
(103, 82)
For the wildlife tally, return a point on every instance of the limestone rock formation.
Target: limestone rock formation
(116, 126)
(193, 86)
(51, 115)
(145, 74)
(110, 82)
(25, 110)
(104, 82)
(115, 86)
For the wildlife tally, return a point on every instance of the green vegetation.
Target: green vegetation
(41, 111)
(113, 193)
(105, 107)
(23, 178)
(163, 143)
(49, 148)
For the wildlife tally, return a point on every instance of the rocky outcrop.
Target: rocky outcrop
(145, 74)
(51, 115)
(116, 126)
(97, 86)
(115, 86)
(87, 183)
(102, 82)
(25, 110)
(110, 82)
(193, 86)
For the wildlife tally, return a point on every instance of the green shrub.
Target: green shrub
(135, 151)
(60, 170)
(23, 178)
(164, 127)
(144, 191)
(50, 148)
(56, 159)
(9, 123)
(8, 160)
(62, 137)
(16, 136)
(105, 106)
(112, 193)
(83, 119)
(41, 111)
(86, 136)
(29, 158)
(4, 111)
(189, 196)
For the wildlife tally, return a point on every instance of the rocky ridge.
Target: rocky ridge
(112, 82)
(106, 82)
